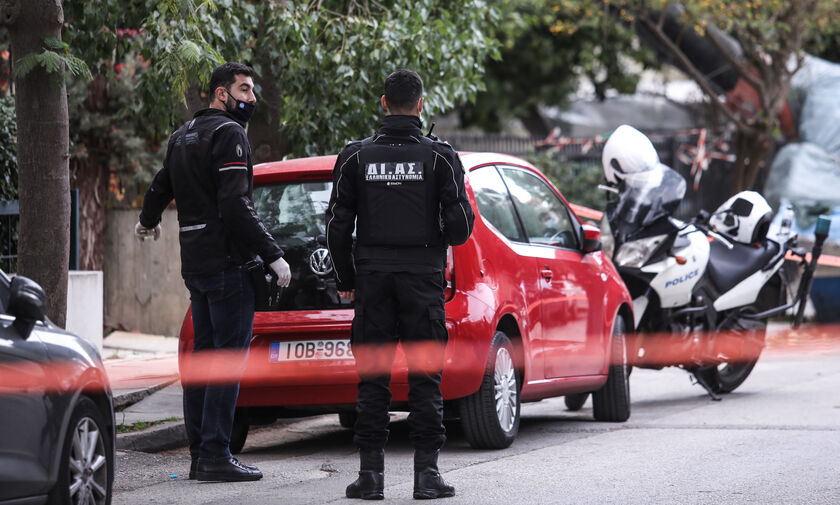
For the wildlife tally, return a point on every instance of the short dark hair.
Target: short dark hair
(403, 89)
(225, 74)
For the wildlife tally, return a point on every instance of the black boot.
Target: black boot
(428, 483)
(371, 482)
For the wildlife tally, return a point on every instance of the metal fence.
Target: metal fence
(9, 221)
(495, 143)
(714, 187)
(10, 233)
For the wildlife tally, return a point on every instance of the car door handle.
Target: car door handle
(546, 273)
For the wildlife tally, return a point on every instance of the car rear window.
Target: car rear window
(294, 215)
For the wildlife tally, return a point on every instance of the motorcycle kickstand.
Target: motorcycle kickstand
(700, 380)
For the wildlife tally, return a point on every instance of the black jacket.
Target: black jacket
(208, 171)
(404, 195)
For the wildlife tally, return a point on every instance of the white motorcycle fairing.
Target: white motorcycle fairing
(674, 282)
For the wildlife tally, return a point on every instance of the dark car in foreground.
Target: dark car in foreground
(534, 308)
(56, 411)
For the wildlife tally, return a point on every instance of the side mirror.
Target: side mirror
(591, 238)
(27, 304)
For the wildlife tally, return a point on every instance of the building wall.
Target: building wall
(144, 290)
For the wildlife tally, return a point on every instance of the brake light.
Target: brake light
(449, 274)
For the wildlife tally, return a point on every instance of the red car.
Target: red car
(534, 308)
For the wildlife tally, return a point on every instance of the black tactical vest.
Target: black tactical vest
(398, 202)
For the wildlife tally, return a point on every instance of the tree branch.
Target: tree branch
(695, 74)
(736, 65)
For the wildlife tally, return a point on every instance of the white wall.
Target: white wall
(144, 290)
(85, 301)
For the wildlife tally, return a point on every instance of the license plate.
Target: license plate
(303, 350)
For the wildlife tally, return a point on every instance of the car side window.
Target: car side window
(543, 213)
(494, 203)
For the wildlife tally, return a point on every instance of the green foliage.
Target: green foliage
(320, 65)
(8, 149)
(546, 47)
(331, 67)
(577, 180)
(108, 126)
(825, 40)
(56, 55)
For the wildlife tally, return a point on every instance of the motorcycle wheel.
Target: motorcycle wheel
(726, 377)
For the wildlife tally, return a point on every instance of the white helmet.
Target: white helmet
(745, 217)
(627, 151)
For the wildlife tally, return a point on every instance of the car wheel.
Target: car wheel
(575, 402)
(240, 431)
(611, 403)
(347, 419)
(490, 416)
(86, 474)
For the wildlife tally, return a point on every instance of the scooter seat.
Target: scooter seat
(727, 267)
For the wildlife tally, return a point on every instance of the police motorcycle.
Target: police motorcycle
(702, 290)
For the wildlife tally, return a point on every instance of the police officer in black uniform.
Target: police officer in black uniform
(404, 193)
(208, 172)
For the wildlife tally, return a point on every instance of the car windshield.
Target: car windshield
(294, 215)
(647, 196)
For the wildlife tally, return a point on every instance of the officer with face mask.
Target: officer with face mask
(208, 171)
(404, 194)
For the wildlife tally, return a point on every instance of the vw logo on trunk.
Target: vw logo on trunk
(320, 262)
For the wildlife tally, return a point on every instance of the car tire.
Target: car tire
(87, 459)
(611, 403)
(239, 433)
(488, 422)
(575, 402)
(347, 419)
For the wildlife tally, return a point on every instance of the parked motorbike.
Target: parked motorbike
(703, 289)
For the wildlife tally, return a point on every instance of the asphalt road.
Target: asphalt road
(775, 440)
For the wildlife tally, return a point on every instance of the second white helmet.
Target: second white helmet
(745, 217)
(627, 151)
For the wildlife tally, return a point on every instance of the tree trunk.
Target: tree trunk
(90, 176)
(534, 122)
(43, 153)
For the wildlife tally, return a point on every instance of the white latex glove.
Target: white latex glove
(284, 273)
(142, 233)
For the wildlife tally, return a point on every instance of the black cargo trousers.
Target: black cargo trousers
(408, 308)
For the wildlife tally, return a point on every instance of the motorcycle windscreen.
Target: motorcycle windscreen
(647, 196)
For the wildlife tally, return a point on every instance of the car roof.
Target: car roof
(319, 167)
(315, 167)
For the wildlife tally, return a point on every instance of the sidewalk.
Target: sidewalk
(143, 371)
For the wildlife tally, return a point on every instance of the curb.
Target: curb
(130, 397)
(161, 437)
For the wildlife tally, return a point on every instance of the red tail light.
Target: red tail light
(449, 274)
